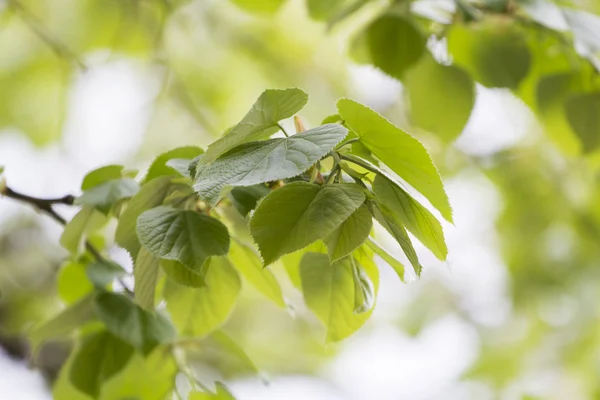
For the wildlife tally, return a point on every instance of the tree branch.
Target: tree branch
(45, 205)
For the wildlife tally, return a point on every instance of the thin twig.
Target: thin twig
(38, 28)
(45, 205)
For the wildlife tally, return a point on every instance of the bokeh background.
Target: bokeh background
(513, 314)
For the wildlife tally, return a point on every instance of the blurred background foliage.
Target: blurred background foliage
(201, 63)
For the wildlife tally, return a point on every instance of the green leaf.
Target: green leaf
(390, 222)
(245, 199)
(412, 215)
(364, 293)
(86, 221)
(101, 175)
(325, 9)
(182, 235)
(388, 258)
(493, 51)
(259, 6)
(183, 166)
(124, 319)
(65, 322)
(261, 121)
(247, 262)
(404, 154)
(583, 113)
(144, 378)
(232, 348)
(329, 291)
(395, 44)
(299, 213)
(181, 274)
(198, 312)
(104, 272)
(99, 358)
(151, 195)
(159, 166)
(440, 97)
(107, 194)
(72, 282)
(145, 273)
(350, 234)
(265, 161)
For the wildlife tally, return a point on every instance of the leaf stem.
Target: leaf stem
(282, 130)
(45, 205)
(353, 140)
(360, 162)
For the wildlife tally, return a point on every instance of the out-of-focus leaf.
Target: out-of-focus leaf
(86, 221)
(244, 199)
(124, 319)
(72, 282)
(260, 6)
(412, 215)
(395, 44)
(493, 51)
(441, 98)
(583, 113)
(104, 272)
(585, 27)
(231, 347)
(247, 262)
(144, 378)
(182, 275)
(145, 273)
(181, 235)
(299, 213)
(404, 154)
(65, 322)
(198, 312)
(350, 234)
(261, 121)
(107, 194)
(364, 295)
(328, 290)
(99, 358)
(159, 166)
(265, 161)
(325, 9)
(101, 175)
(151, 195)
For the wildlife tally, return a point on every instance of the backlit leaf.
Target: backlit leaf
(101, 175)
(86, 221)
(247, 262)
(145, 273)
(404, 154)
(329, 291)
(198, 312)
(245, 199)
(412, 215)
(387, 257)
(583, 113)
(299, 213)
(104, 272)
(181, 274)
(99, 358)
